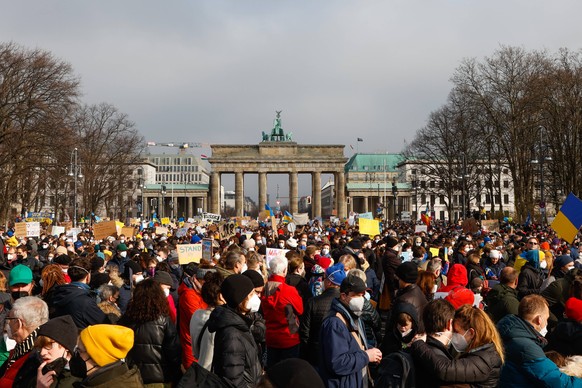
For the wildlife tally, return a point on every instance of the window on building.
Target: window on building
(432, 184)
(423, 184)
(433, 199)
(442, 199)
(423, 198)
(441, 215)
(487, 198)
(506, 171)
(506, 184)
(506, 199)
(478, 198)
(413, 171)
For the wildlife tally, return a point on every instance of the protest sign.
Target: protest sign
(275, 252)
(56, 230)
(369, 227)
(211, 217)
(104, 229)
(420, 228)
(227, 230)
(189, 253)
(490, 225)
(20, 229)
(207, 249)
(181, 232)
(367, 216)
(128, 231)
(161, 231)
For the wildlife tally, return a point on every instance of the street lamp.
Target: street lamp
(415, 186)
(163, 192)
(141, 185)
(75, 171)
(395, 194)
(542, 148)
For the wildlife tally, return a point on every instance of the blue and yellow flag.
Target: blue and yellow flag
(287, 218)
(267, 207)
(569, 219)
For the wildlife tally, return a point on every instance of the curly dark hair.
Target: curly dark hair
(211, 288)
(148, 303)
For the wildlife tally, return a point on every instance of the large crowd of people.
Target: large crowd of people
(322, 306)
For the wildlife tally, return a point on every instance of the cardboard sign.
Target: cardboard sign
(369, 227)
(420, 229)
(56, 230)
(134, 221)
(128, 231)
(207, 249)
(20, 229)
(264, 215)
(301, 218)
(161, 231)
(165, 221)
(470, 225)
(275, 252)
(435, 252)
(181, 232)
(211, 217)
(227, 230)
(490, 225)
(189, 253)
(367, 216)
(104, 229)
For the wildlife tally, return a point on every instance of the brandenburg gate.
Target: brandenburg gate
(277, 154)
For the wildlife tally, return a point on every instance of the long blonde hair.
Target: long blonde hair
(469, 317)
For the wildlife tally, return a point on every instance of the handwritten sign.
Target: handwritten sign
(161, 231)
(274, 252)
(20, 229)
(420, 228)
(211, 217)
(189, 253)
(57, 230)
(490, 225)
(128, 231)
(104, 229)
(165, 221)
(227, 230)
(207, 249)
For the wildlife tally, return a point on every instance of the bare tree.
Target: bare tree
(37, 92)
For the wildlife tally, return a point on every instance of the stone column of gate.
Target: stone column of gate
(340, 182)
(366, 201)
(190, 209)
(262, 190)
(293, 192)
(215, 193)
(316, 197)
(239, 194)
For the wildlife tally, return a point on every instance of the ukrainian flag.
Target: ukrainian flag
(267, 207)
(569, 219)
(287, 218)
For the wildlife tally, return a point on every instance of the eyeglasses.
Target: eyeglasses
(532, 242)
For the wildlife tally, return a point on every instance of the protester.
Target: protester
(20, 281)
(502, 298)
(99, 358)
(523, 336)
(344, 354)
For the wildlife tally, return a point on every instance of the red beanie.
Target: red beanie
(574, 309)
(460, 296)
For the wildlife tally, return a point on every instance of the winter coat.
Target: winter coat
(457, 276)
(474, 271)
(124, 297)
(235, 353)
(301, 285)
(373, 283)
(205, 351)
(393, 340)
(342, 358)
(315, 312)
(566, 338)
(390, 261)
(156, 350)
(479, 367)
(530, 281)
(115, 375)
(558, 292)
(189, 301)
(419, 351)
(493, 271)
(526, 365)
(501, 300)
(75, 299)
(372, 324)
(277, 296)
(412, 294)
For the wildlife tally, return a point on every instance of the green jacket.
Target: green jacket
(557, 293)
(501, 300)
(115, 375)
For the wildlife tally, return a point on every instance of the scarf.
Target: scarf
(23, 347)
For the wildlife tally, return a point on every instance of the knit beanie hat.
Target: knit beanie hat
(562, 260)
(256, 278)
(121, 247)
(132, 266)
(336, 273)
(460, 296)
(165, 278)
(390, 241)
(107, 343)
(573, 309)
(294, 373)
(61, 330)
(407, 272)
(235, 289)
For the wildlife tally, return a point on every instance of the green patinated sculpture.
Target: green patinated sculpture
(277, 133)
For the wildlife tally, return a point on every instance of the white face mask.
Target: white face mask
(459, 342)
(405, 333)
(159, 258)
(167, 292)
(544, 331)
(50, 258)
(281, 245)
(434, 289)
(244, 268)
(254, 303)
(324, 251)
(44, 246)
(122, 241)
(543, 265)
(357, 305)
(138, 278)
(123, 254)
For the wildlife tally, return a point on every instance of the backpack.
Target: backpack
(396, 371)
(197, 376)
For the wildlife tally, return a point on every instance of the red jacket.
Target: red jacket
(277, 296)
(189, 301)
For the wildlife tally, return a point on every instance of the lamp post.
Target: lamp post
(540, 160)
(415, 186)
(141, 184)
(163, 192)
(75, 172)
(395, 194)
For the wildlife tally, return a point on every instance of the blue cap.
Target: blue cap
(336, 273)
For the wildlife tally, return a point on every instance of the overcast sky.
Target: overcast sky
(215, 71)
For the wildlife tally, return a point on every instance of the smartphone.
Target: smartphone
(57, 365)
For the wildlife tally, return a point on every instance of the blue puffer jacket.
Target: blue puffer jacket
(341, 358)
(526, 364)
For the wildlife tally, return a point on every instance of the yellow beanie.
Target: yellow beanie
(107, 343)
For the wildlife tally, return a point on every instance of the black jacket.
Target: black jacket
(419, 351)
(301, 285)
(372, 324)
(235, 353)
(313, 315)
(393, 340)
(566, 338)
(529, 282)
(412, 294)
(76, 301)
(390, 261)
(156, 350)
(479, 367)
